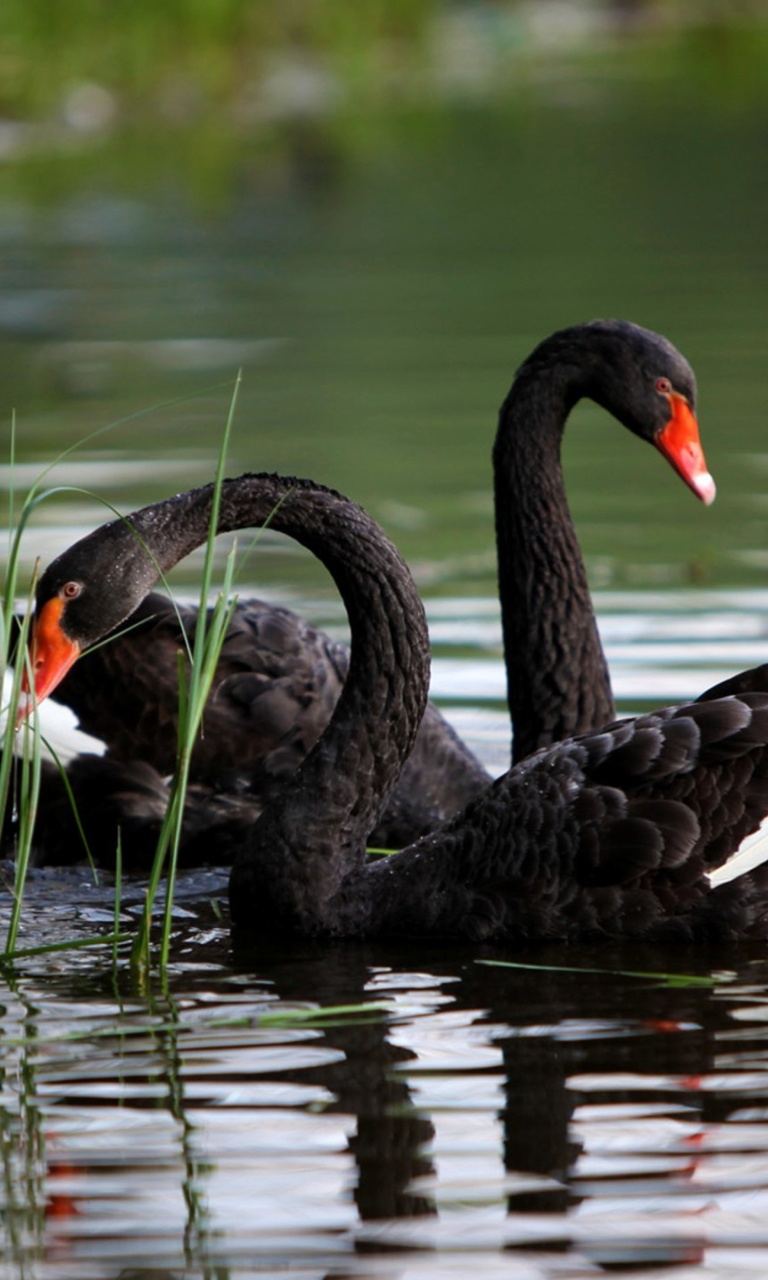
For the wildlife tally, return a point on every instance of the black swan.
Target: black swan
(612, 833)
(279, 678)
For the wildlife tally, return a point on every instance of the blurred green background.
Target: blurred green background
(376, 208)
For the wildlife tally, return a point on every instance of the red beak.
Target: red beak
(52, 653)
(679, 442)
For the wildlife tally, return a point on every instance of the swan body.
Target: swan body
(612, 833)
(276, 684)
(59, 729)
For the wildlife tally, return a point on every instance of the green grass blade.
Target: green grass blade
(27, 772)
(74, 944)
(194, 688)
(663, 979)
(118, 893)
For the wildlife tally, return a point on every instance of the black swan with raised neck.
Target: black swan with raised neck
(279, 679)
(558, 682)
(613, 833)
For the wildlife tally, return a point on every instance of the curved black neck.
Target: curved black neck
(313, 835)
(557, 678)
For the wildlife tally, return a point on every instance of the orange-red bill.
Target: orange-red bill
(52, 653)
(679, 441)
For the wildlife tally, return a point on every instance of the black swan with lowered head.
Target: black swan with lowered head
(611, 833)
(279, 679)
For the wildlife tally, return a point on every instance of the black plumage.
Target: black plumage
(611, 833)
(279, 678)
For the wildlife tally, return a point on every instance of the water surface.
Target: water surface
(476, 1120)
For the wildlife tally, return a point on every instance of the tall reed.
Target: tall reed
(20, 772)
(196, 672)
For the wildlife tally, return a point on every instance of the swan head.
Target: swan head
(645, 382)
(83, 595)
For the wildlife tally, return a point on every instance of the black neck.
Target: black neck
(313, 835)
(557, 677)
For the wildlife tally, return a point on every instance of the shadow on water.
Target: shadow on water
(442, 1113)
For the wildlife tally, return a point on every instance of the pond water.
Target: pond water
(480, 1118)
(527, 1114)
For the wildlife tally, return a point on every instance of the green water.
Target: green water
(379, 304)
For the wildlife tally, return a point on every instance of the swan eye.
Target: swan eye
(664, 386)
(70, 590)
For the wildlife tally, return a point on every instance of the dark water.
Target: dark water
(479, 1119)
(476, 1119)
